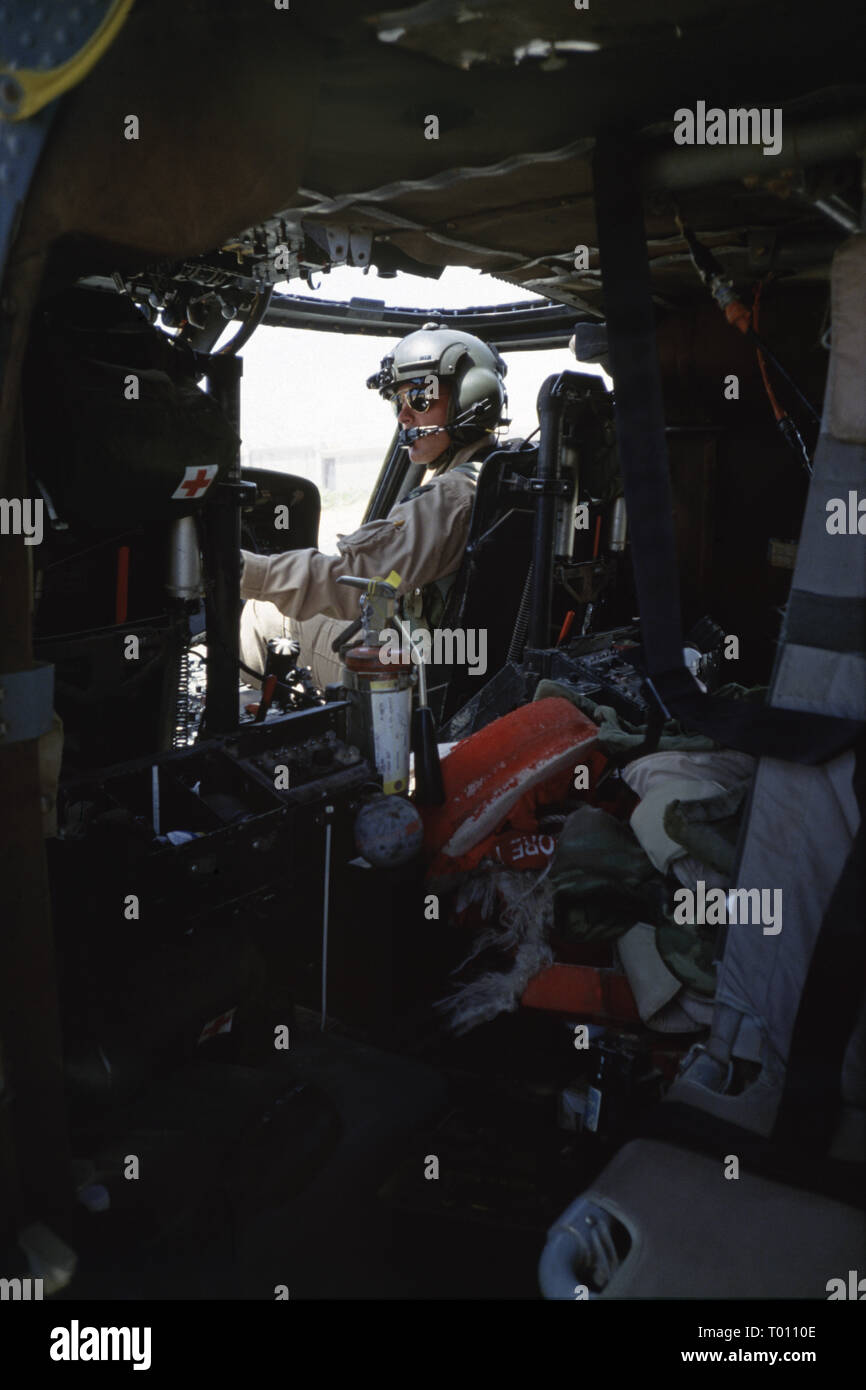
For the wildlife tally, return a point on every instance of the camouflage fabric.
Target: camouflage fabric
(603, 884)
(709, 828)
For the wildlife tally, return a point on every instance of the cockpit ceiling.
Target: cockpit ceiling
(522, 91)
(469, 33)
(524, 224)
(316, 118)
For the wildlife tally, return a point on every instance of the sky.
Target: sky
(305, 387)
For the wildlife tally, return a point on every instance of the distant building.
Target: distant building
(331, 469)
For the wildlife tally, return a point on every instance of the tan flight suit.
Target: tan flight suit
(297, 595)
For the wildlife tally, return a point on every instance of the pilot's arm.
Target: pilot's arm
(423, 539)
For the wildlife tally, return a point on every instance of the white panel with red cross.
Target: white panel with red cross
(196, 482)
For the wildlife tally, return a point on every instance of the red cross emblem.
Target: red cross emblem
(223, 1024)
(195, 481)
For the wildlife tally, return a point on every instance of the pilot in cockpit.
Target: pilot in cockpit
(447, 391)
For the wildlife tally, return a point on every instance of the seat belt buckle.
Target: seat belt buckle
(669, 687)
(649, 685)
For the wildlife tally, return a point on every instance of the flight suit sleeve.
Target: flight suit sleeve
(423, 539)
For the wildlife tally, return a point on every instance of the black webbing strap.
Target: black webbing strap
(638, 409)
(793, 735)
(796, 736)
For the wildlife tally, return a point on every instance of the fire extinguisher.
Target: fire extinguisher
(378, 679)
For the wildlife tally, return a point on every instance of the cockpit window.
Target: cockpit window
(304, 406)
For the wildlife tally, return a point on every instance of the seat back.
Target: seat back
(275, 488)
(487, 590)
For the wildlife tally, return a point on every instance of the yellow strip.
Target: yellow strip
(41, 87)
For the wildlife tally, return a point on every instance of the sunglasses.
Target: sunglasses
(418, 397)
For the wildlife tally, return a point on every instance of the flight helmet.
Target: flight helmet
(474, 370)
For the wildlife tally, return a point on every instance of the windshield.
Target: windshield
(305, 407)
